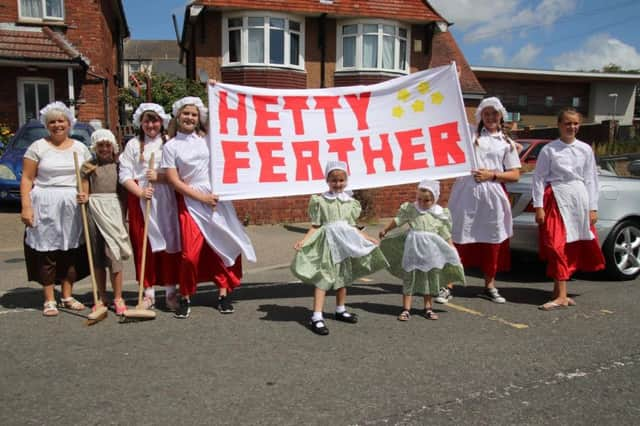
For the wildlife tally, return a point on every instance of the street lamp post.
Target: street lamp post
(615, 104)
(613, 132)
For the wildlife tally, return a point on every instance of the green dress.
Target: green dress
(422, 256)
(336, 254)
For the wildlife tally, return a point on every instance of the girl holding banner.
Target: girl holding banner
(146, 182)
(334, 252)
(480, 208)
(213, 239)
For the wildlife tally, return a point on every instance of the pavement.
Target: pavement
(481, 363)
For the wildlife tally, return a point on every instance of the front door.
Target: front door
(33, 95)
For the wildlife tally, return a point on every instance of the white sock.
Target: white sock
(340, 309)
(150, 292)
(169, 290)
(317, 316)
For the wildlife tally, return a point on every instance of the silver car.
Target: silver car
(618, 223)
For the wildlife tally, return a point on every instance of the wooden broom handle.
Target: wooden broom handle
(145, 233)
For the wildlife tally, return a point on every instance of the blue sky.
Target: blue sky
(542, 34)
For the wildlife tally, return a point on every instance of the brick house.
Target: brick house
(66, 50)
(314, 44)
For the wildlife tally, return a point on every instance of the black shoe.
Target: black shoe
(319, 327)
(184, 308)
(224, 305)
(346, 317)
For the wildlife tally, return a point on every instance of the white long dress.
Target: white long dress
(164, 226)
(480, 211)
(189, 154)
(57, 223)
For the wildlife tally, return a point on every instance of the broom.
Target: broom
(139, 313)
(100, 311)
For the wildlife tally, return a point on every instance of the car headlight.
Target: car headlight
(6, 173)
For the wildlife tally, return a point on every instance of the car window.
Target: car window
(27, 137)
(525, 145)
(535, 151)
(81, 135)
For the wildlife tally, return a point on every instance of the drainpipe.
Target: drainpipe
(323, 48)
(106, 98)
(71, 90)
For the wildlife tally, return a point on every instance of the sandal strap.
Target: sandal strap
(50, 304)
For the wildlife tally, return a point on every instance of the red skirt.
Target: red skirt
(563, 258)
(161, 268)
(490, 258)
(200, 263)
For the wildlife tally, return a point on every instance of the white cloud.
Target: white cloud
(499, 19)
(493, 55)
(599, 50)
(526, 55)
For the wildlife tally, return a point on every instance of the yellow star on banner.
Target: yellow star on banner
(418, 106)
(437, 98)
(423, 87)
(404, 95)
(397, 112)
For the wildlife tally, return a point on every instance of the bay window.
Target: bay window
(373, 45)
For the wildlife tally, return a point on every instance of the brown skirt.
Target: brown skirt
(54, 267)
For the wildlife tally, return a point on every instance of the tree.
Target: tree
(165, 90)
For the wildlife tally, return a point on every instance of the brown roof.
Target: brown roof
(43, 44)
(408, 10)
(151, 49)
(445, 49)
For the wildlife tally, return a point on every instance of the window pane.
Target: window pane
(276, 46)
(389, 29)
(256, 45)
(349, 52)
(403, 32)
(350, 29)
(294, 50)
(235, 22)
(403, 55)
(388, 52)
(54, 8)
(256, 21)
(31, 8)
(548, 101)
(43, 95)
(294, 26)
(575, 102)
(522, 100)
(370, 28)
(370, 51)
(276, 23)
(30, 106)
(235, 52)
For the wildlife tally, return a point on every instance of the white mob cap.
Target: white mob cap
(149, 106)
(335, 165)
(491, 102)
(59, 107)
(432, 186)
(191, 100)
(103, 135)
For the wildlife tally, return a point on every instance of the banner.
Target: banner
(276, 142)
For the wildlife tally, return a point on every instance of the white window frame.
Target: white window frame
(44, 17)
(244, 40)
(22, 114)
(359, 46)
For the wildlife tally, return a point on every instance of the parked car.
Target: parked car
(11, 160)
(618, 225)
(530, 149)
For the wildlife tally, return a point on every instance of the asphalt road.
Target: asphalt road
(481, 363)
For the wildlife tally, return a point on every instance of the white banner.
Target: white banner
(276, 142)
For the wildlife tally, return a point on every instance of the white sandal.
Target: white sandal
(50, 309)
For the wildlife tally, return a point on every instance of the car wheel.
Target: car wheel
(622, 250)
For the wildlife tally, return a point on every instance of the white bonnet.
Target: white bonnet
(149, 106)
(335, 165)
(102, 135)
(431, 185)
(491, 102)
(60, 107)
(191, 100)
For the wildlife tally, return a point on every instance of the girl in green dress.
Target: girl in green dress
(334, 253)
(423, 256)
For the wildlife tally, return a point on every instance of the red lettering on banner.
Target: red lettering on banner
(307, 159)
(343, 146)
(225, 113)
(328, 104)
(296, 104)
(444, 144)
(268, 162)
(408, 159)
(371, 154)
(263, 116)
(231, 161)
(359, 105)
